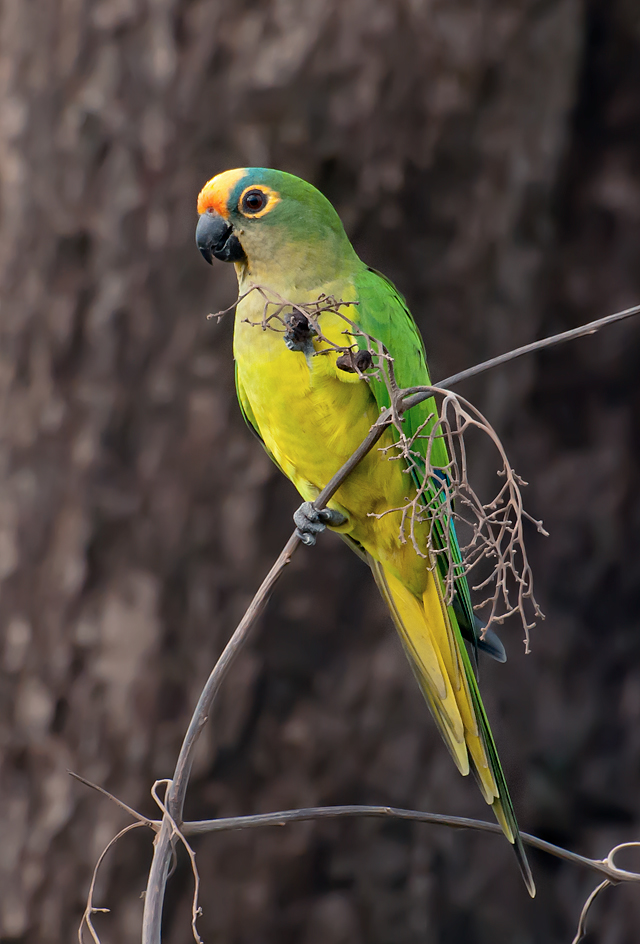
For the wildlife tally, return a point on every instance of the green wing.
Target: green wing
(383, 314)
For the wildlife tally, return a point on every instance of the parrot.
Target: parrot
(311, 406)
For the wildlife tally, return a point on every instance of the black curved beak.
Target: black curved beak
(214, 237)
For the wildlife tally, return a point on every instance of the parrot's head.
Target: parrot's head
(274, 226)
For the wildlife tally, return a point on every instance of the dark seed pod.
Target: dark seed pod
(363, 360)
(345, 363)
(354, 363)
(298, 331)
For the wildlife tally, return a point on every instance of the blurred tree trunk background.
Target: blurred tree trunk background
(483, 153)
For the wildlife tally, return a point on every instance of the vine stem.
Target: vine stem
(154, 896)
(604, 867)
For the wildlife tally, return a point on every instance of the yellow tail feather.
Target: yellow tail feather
(498, 812)
(428, 638)
(426, 628)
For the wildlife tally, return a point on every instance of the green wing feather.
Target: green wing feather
(383, 314)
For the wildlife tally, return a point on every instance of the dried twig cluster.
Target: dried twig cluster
(445, 497)
(496, 534)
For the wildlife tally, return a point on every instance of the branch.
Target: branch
(582, 922)
(154, 897)
(152, 917)
(90, 910)
(606, 867)
(592, 328)
(143, 820)
(196, 911)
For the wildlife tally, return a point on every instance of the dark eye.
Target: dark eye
(253, 201)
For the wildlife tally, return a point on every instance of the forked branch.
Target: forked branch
(171, 825)
(613, 875)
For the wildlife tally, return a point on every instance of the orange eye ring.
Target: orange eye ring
(256, 201)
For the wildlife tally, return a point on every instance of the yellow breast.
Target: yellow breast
(312, 416)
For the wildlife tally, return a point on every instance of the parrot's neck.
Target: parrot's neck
(296, 267)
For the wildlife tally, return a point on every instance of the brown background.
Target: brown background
(486, 155)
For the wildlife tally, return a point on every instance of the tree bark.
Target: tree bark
(485, 156)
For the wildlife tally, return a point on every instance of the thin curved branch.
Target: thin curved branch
(605, 867)
(583, 331)
(90, 909)
(143, 820)
(201, 827)
(154, 896)
(152, 916)
(196, 911)
(582, 921)
(611, 880)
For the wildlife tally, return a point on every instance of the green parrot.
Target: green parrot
(311, 411)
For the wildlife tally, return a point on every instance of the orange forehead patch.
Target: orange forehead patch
(215, 193)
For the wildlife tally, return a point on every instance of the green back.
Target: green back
(383, 314)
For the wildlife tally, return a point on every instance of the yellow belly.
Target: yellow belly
(311, 420)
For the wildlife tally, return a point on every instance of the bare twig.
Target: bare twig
(582, 921)
(445, 496)
(219, 315)
(542, 344)
(152, 916)
(143, 820)
(573, 334)
(196, 911)
(606, 867)
(90, 909)
(614, 877)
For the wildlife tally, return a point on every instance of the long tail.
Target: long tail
(431, 638)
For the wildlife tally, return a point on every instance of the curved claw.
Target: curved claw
(310, 522)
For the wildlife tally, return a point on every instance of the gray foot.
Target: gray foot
(310, 523)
